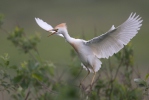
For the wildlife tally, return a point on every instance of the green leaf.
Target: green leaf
(37, 76)
(7, 63)
(24, 65)
(140, 82)
(19, 89)
(5, 59)
(51, 71)
(13, 67)
(17, 79)
(147, 76)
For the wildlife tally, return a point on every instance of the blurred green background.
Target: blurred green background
(82, 16)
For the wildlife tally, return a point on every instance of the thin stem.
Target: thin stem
(117, 70)
(78, 73)
(31, 55)
(2, 95)
(110, 68)
(28, 93)
(105, 70)
(4, 30)
(112, 79)
(47, 89)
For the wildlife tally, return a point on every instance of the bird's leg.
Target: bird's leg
(85, 76)
(93, 77)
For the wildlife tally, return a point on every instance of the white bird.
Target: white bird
(102, 46)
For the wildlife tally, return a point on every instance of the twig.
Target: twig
(62, 74)
(137, 72)
(31, 55)
(2, 95)
(4, 30)
(46, 88)
(112, 80)
(78, 73)
(28, 93)
(118, 69)
(110, 68)
(105, 70)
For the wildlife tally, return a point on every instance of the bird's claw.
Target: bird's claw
(80, 84)
(91, 85)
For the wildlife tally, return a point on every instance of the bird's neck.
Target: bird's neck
(67, 36)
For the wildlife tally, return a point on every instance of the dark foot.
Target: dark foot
(80, 84)
(91, 85)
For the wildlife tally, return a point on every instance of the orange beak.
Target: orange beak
(55, 30)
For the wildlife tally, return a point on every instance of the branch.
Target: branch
(118, 69)
(28, 93)
(112, 79)
(46, 88)
(4, 30)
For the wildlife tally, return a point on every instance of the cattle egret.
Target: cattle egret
(102, 46)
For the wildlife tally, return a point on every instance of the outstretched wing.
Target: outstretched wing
(114, 40)
(43, 24)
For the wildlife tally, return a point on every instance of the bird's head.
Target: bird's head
(59, 30)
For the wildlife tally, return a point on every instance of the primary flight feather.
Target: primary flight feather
(102, 46)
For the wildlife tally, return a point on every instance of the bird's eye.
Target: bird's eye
(56, 30)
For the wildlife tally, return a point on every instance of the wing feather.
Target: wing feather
(43, 24)
(114, 40)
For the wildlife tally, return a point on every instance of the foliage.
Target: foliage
(37, 79)
(5, 78)
(143, 84)
(19, 39)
